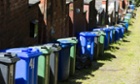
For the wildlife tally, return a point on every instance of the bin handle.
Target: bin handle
(9, 55)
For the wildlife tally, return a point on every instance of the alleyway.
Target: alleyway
(121, 64)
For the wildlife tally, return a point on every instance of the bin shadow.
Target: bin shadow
(83, 74)
(113, 48)
(107, 57)
(127, 33)
(124, 40)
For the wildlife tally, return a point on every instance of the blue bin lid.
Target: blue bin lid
(106, 29)
(93, 34)
(98, 29)
(25, 52)
(111, 27)
(65, 43)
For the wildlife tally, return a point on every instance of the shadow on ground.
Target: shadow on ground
(82, 74)
(127, 33)
(107, 57)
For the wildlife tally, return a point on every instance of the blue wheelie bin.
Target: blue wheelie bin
(112, 34)
(131, 7)
(87, 43)
(64, 60)
(125, 24)
(107, 36)
(122, 30)
(117, 33)
(26, 68)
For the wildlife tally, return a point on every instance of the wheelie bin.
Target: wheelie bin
(112, 34)
(64, 59)
(117, 33)
(122, 30)
(124, 24)
(7, 67)
(43, 64)
(100, 40)
(74, 41)
(87, 43)
(107, 37)
(54, 61)
(26, 68)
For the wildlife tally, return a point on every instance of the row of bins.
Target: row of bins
(94, 42)
(48, 63)
(41, 64)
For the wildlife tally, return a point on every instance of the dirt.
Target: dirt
(121, 64)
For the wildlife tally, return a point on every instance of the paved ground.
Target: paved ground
(121, 64)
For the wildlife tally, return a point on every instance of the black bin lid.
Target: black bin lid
(8, 57)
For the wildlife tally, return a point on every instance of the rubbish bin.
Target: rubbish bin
(54, 55)
(64, 60)
(74, 41)
(125, 24)
(131, 7)
(43, 64)
(129, 15)
(26, 68)
(101, 41)
(87, 43)
(7, 68)
(122, 30)
(107, 37)
(117, 35)
(112, 34)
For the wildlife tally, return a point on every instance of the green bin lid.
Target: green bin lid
(54, 47)
(43, 49)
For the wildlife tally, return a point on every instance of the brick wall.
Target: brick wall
(15, 17)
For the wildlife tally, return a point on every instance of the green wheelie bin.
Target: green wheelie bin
(74, 41)
(100, 41)
(43, 64)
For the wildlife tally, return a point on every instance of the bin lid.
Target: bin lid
(8, 57)
(25, 52)
(111, 27)
(106, 29)
(72, 40)
(42, 49)
(88, 34)
(54, 47)
(64, 43)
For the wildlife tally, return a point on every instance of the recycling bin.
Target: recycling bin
(121, 31)
(64, 59)
(7, 67)
(107, 37)
(87, 43)
(125, 24)
(117, 33)
(131, 7)
(43, 64)
(129, 15)
(26, 68)
(100, 47)
(54, 58)
(112, 34)
(74, 41)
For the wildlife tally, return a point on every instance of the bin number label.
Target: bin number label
(31, 64)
